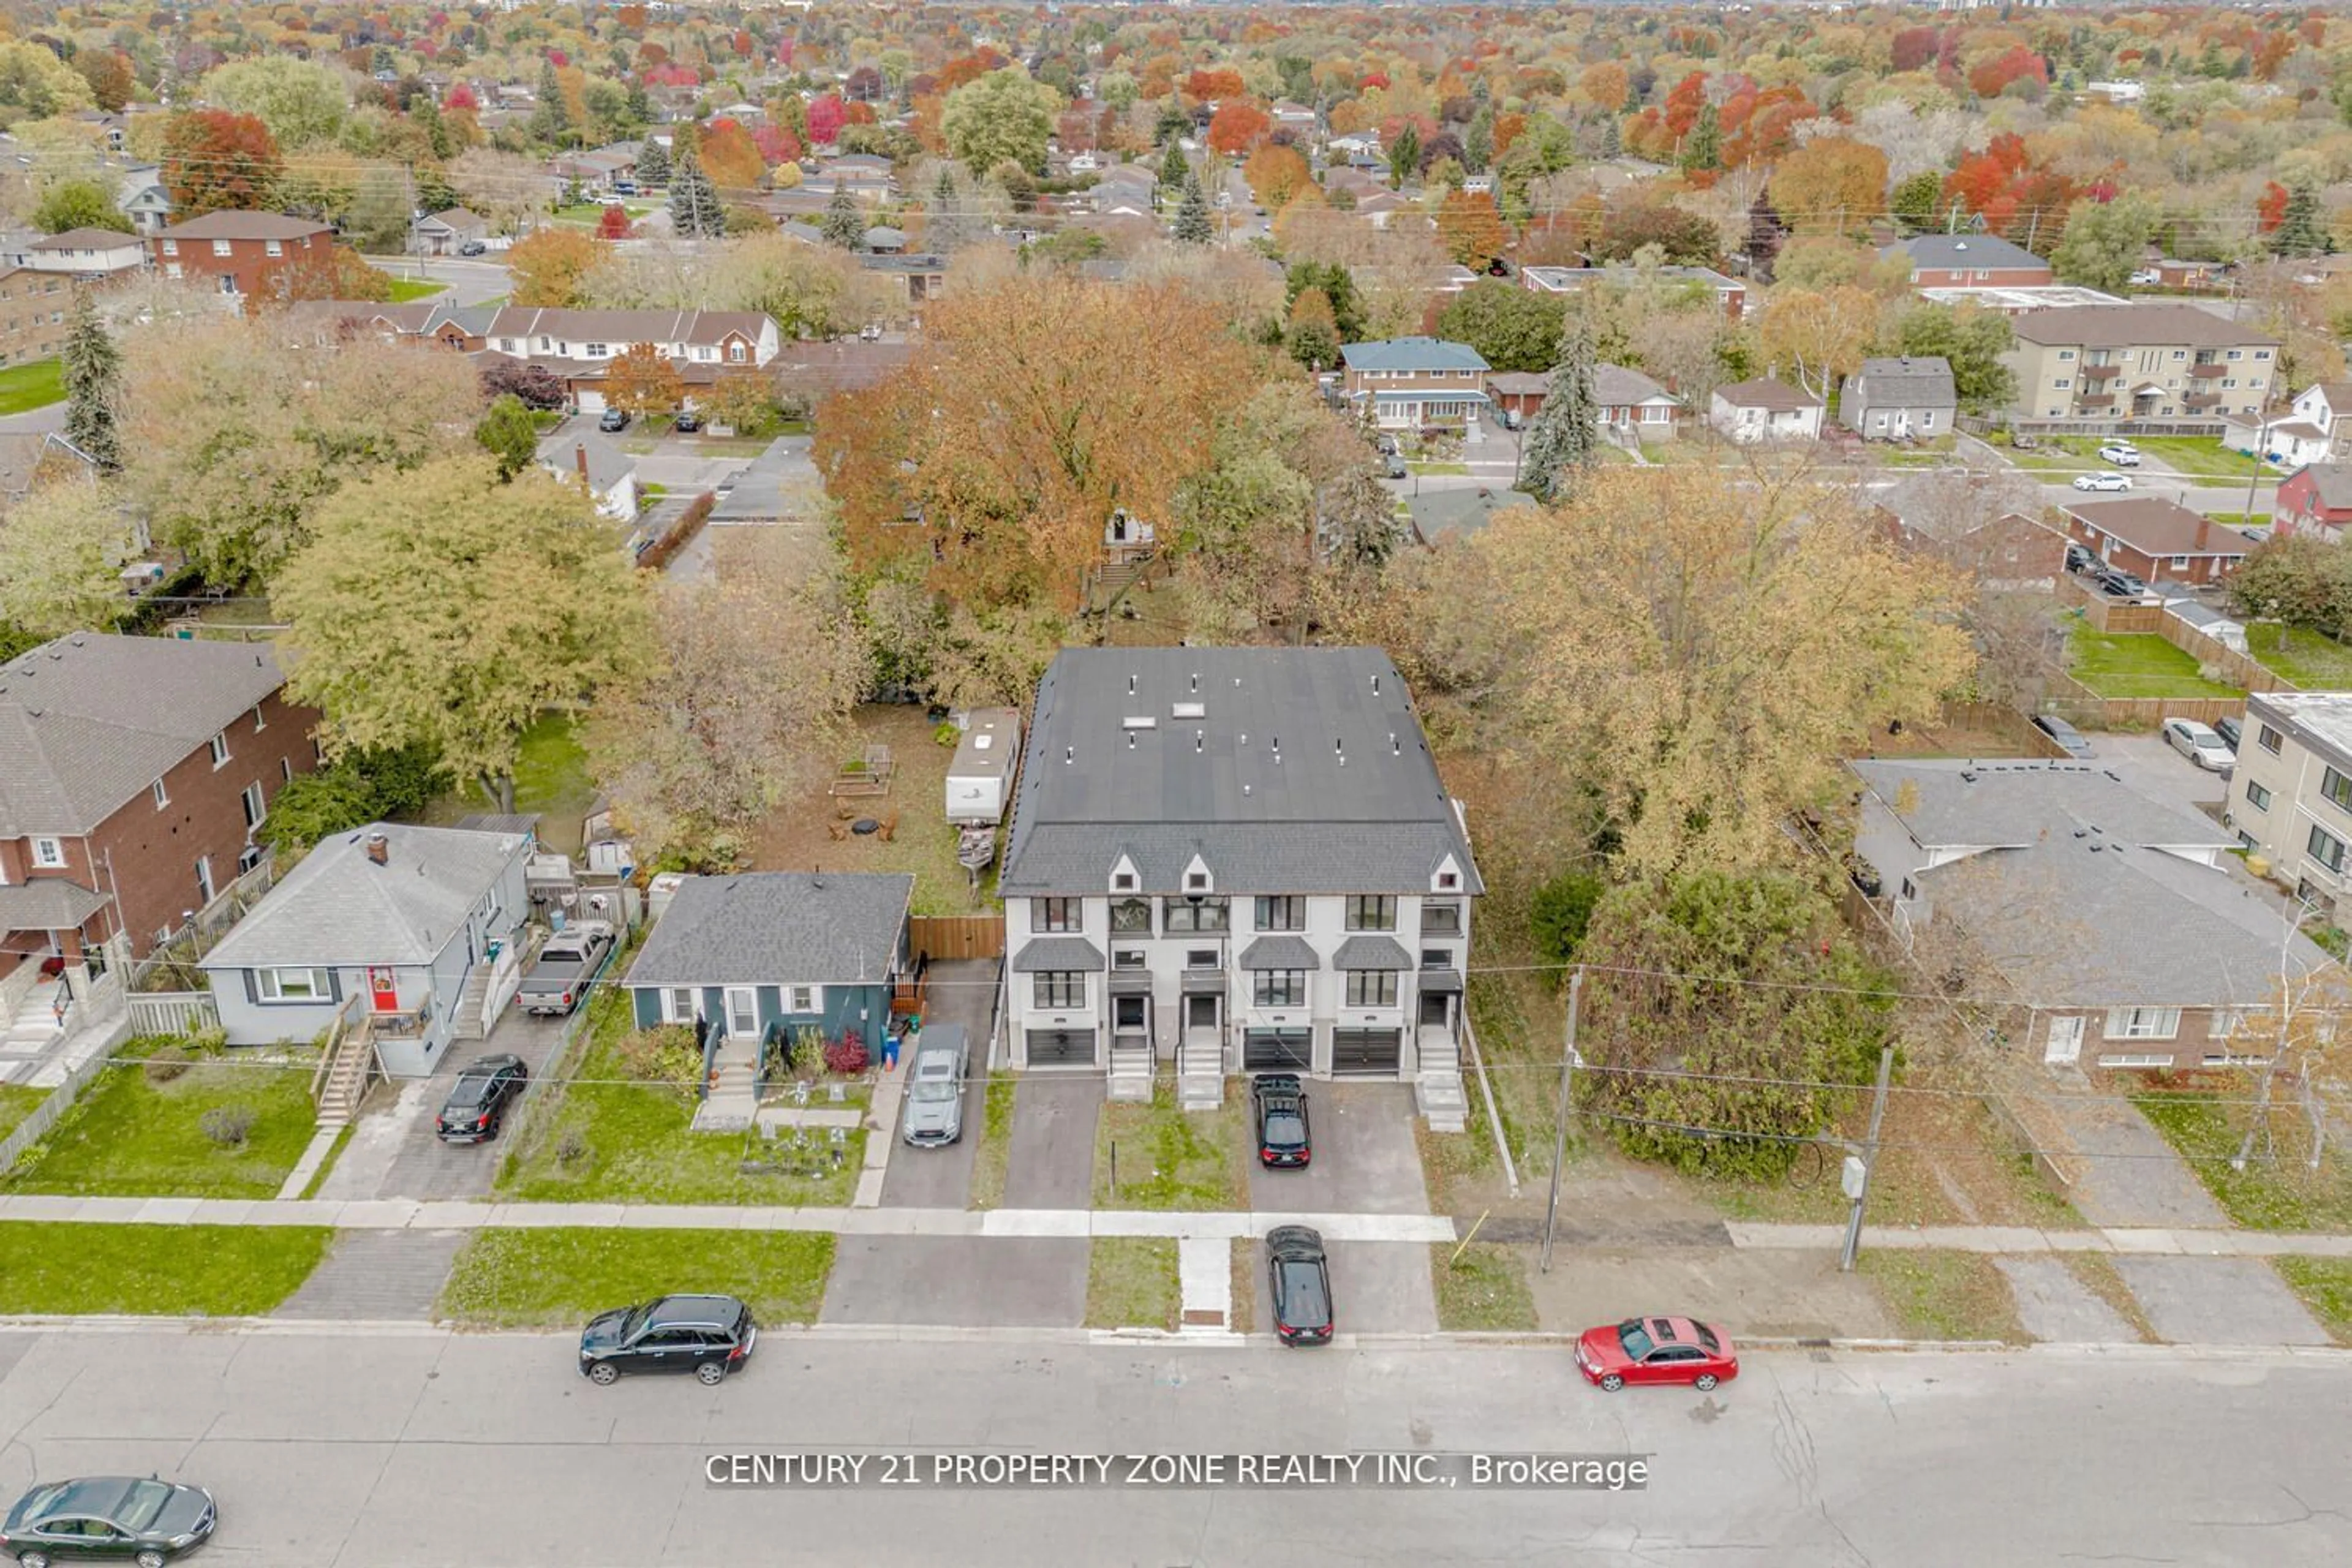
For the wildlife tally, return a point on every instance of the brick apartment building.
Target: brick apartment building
(243, 253)
(35, 310)
(132, 773)
(1971, 260)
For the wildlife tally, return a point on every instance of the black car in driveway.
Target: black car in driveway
(613, 419)
(1283, 1141)
(1301, 1284)
(709, 1336)
(476, 1105)
(132, 1519)
(2062, 733)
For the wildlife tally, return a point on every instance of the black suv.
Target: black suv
(1282, 1135)
(613, 419)
(709, 1336)
(1301, 1284)
(476, 1105)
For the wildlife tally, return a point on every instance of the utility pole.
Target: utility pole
(1560, 1139)
(1858, 1179)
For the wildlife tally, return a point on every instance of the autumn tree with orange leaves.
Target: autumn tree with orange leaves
(1035, 408)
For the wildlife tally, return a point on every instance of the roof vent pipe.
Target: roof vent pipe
(1069, 755)
(1196, 739)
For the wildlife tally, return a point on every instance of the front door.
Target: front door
(2064, 1045)
(1435, 1009)
(384, 992)
(1200, 1011)
(742, 1012)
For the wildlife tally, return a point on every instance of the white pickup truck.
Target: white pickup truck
(559, 978)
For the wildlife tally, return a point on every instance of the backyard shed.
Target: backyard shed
(979, 780)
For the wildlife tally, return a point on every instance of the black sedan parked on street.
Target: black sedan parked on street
(1283, 1143)
(142, 1519)
(477, 1106)
(709, 1336)
(1301, 1284)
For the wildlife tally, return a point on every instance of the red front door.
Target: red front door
(383, 993)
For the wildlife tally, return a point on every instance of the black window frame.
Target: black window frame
(1371, 911)
(2268, 739)
(1057, 917)
(1289, 909)
(1279, 988)
(1442, 918)
(1122, 912)
(1185, 916)
(2336, 788)
(1059, 988)
(2333, 857)
(1381, 995)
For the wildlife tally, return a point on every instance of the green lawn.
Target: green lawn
(560, 1275)
(2275, 1192)
(2325, 1286)
(1944, 1294)
(1172, 1159)
(2205, 460)
(212, 1270)
(16, 1102)
(632, 1142)
(2137, 664)
(128, 1138)
(405, 291)
(1485, 1288)
(2313, 660)
(33, 385)
(988, 1165)
(1132, 1282)
(551, 779)
(593, 213)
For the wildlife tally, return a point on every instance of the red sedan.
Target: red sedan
(1656, 1350)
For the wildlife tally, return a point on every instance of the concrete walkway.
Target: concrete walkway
(401, 1214)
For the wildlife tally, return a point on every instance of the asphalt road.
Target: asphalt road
(329, 1449)
(471, 280)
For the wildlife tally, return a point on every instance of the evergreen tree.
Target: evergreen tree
(843, 225)
(641, 108)
(1193, 215)
(1173, 171)
(1564, 441)
(653, 163)
(1478, 140)
(1703, 148)
(428, 117)
(551, 117)
(93, 378)
(2300, 231)
(1766, 235)
(1404, 155)
(509, 434)
(1612, 143)
(695, 212)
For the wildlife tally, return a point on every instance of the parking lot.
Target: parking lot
(2150, 766)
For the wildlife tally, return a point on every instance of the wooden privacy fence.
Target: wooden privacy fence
(956, 936)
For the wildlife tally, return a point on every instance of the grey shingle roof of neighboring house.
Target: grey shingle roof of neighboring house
(1764, 392)
(1614, 386)
(47, 904)
(1436, 512)
(1976, 252)
(1413, 354)
(87, 239)
(624, 327)
(1370, 950)
(755, 492)
(807, 233)
(770, 928)
(1058, 955)
(883, 237)
(89, 721)
(457, 220)
(2014, 801)
(1924, 383)
(338, 907)
(1279, 952)
(2132, 326)
(607, 464)
(239, 224)
(2331, 483)
(1285, 769)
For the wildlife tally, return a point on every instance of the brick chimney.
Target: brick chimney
(580, 459)
(2204, 529)
(379, 849)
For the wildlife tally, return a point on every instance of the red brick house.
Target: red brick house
(1970, 261)
(2315, 499)
(2157, 541)
(243, 253)
(2010, 551)
(132, 773)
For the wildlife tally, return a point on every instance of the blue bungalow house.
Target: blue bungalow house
(764, 950)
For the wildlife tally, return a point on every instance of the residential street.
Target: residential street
(328, 1448)
(470, 281)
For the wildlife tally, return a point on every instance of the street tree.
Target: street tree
(1563, 443)
(745, 706)
(695, 210)
(1311, 335)
(1121, 389)
(93, 379)
(1192, 225)
(214, 159)
(446, 609)
(551, 266)
(534, 385)
(1686, 652)
(2105, 242)
(61, 549)
(842, 225)
(509, 434)
(1277, 174)
(640, 379)
(1003, 116)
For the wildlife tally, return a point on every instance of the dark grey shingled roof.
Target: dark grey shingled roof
(1306, 772)
(46, 903)
(336, 907)
(1948, 802)
(1986, 252)
(1058, 955)
(1371, 950)
(777, 928)
(1925, 382)
(89, 721)
(1279, 952)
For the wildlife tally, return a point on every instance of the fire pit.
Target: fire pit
(865, 824)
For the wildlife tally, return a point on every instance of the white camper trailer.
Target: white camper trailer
(980, 781)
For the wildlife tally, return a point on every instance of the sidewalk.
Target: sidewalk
(401, 1214)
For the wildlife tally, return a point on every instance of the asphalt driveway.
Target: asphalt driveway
(1366, 1160)
(1050, 1163)
(2148, 765)
(957, 991)
(1377, 1288)
(394, 1152)
(960, 1282)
